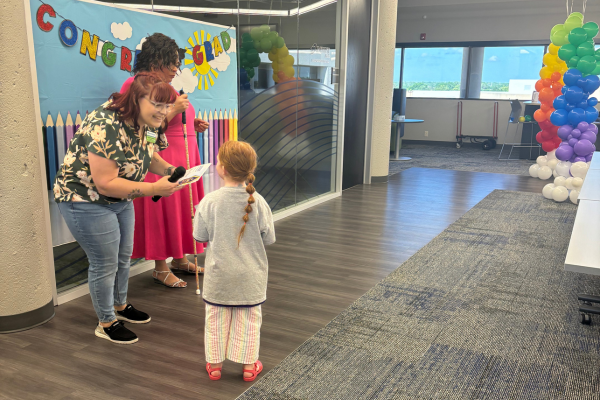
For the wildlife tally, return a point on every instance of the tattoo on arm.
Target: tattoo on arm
(169, 171)
(135, 193)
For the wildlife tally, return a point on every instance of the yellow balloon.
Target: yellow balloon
(283, 52)
(553, 49)
(563, 68)
(275, 66)
(546, 72)
(289, 72)
(272, 57)
(550, 59)
(275, 77)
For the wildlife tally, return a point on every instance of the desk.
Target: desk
(583, 255)
(399, 134)
(591, 190)
(595, 161)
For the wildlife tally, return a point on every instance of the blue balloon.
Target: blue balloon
(581, 82)
(571, 77)
(574, 95)
(569, 107)
(560, 102)
(592, 83)
(591, 115)
(583, 104)
(576, 116)
(564, 89)
(592, 101)
(559, 117)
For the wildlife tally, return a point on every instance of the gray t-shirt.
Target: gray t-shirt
(234, 276)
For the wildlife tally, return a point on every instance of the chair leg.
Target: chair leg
(504, 142)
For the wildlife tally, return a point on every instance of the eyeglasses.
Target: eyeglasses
(160, 107)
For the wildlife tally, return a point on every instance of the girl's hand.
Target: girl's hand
(200, 125)
(181, 104)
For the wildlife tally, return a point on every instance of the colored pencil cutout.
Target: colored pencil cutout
(45, 138)
(51, 148)
(221, 129)
(235, 125)
(225, 128)
(206, 141)
(78, 121)
(69, 130)
(230, 119)
(211, 137)
(60, 141)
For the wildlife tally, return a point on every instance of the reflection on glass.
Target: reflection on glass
(397, 67)
(510, 72)
(433, 72)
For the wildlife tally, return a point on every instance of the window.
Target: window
(397, 67)
(433, 72)
(504, 72)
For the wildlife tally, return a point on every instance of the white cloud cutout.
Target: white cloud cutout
(523, 51)
(139, 46)
(220, 63)
(185, 80)
(493, 58)
(121, 31)
(100, 44)
(232, 48)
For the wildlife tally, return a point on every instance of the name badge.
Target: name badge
(151, 137)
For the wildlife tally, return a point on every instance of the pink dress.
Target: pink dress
(164, 229)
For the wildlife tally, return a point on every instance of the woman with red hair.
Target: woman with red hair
(102, 172)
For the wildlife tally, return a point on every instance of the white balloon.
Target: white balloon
(560, 193)
(555, 174)
(545, 173)
(533, 170)
(562, 168)
(560, 181)
(551, 155)
(579, 169)
(577, 183)
(569, 183)
(542, 160)
(547, 190)
(552, 164)
(573, 196)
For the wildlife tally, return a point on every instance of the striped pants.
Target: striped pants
(232, 333)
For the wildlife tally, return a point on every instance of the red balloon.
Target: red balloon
(538, 137)
(539, 86)
(545, 125)
(546, 136)
(554, 130)
(546, 95)
(557, 86)
(539, 115)
(555, 76)
(557, 141)
(549, 146)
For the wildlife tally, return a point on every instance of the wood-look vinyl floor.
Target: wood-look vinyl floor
(324, 259)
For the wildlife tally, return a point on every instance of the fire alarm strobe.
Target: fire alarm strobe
(423, 36)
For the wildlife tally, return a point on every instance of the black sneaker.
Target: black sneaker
(116, 333)
(133, 316)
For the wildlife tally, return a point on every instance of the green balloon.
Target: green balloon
(556, 28)
(250, 72)
(252, 54)
(265, 28)
(257, 62)
(528, 118)
(566, 52)
(585, 49)
(572, 63)
(596, 70)
(266, 45)
(272, 36)
(576, 14)
(248, 46)
(591, 28)
(246, 37)
(573, 23)
(280, 42)
(586, 64)
(560, 38)
(243, 61)
(242, 53)
(256, 34)
(577, 36)
(257, 46)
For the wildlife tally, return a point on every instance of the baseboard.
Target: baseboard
(27, 320)
(379, 179)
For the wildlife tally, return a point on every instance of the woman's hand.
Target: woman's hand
(164, 188)
(181, 104)
(200, 125)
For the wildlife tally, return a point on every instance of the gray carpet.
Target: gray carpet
(468, 158)
(484, 311)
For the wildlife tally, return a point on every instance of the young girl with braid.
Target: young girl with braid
(237, 223)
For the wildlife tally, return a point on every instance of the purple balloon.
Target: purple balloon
(588, 158)
(573, 142)
(572, 161)
(583, 126)
(564, 131)
(564, 152)
(576, 133)
(593, 128)
(579, 159)
(583, 147)
(588, 136)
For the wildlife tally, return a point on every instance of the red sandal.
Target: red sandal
(210, 370)
(258, 367)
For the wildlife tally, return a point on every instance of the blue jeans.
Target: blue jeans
(105, 233)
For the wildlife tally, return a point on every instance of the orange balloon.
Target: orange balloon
(556, 77)
(546, 95)
(546, 107)
(546, 82)
(539, 85)
(539, 116)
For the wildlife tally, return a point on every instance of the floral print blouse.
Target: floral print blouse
(103, 134)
